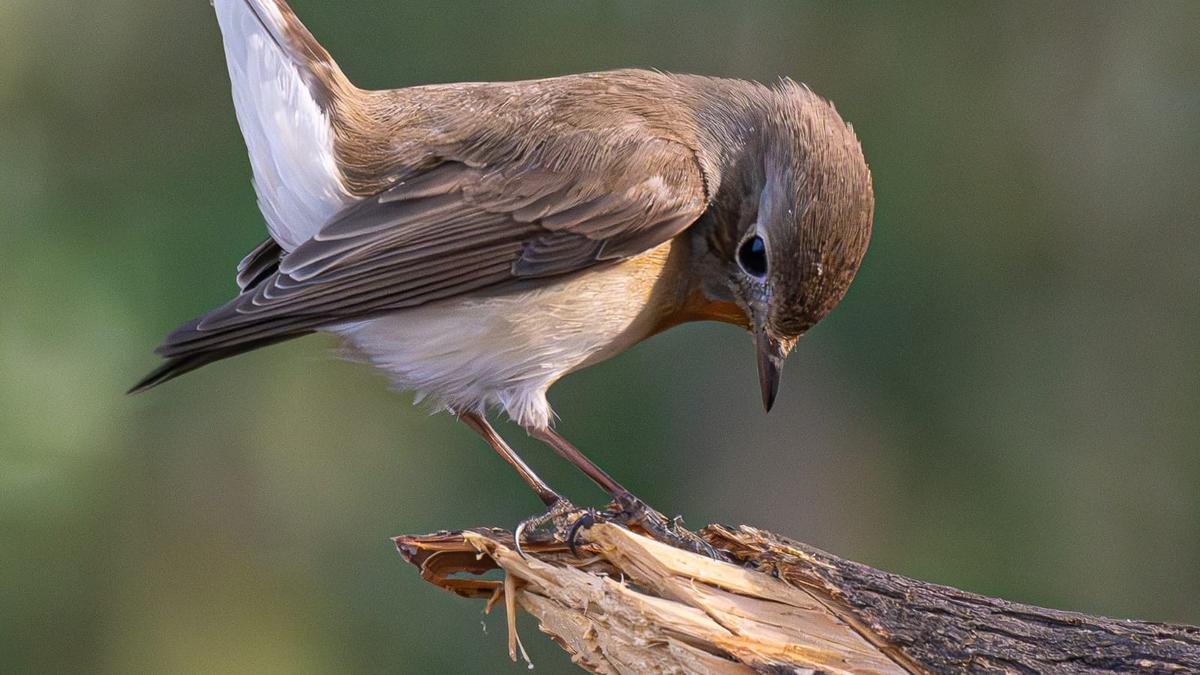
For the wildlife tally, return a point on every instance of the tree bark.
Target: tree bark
(627, 603)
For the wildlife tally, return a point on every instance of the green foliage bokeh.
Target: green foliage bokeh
(1008, 400)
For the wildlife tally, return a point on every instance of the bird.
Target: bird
(477, 242)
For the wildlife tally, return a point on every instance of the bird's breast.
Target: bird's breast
(507, 346)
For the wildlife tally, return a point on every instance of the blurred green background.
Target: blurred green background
(1008, 400)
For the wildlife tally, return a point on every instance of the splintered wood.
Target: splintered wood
(629, 604)
(633, 605)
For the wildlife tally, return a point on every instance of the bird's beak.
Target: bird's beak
(771, 353)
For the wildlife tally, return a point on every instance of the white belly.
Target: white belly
(504, 351)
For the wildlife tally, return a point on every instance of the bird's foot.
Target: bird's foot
(558, 511)
(626, 509)
(632, 512)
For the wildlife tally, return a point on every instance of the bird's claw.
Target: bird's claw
(557, 510)
(589, 518)
(626, 510)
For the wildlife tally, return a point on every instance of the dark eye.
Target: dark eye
(752, 256)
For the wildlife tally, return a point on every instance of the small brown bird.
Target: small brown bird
(480, 241)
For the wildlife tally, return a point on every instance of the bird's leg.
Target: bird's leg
(572, 454)
(558, 506)
(626, 507)
(481, 426)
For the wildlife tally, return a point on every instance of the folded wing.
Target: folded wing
(448, 230)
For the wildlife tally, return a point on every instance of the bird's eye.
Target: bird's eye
(752, 256)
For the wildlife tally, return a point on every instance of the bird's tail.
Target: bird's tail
(288, 92)
(242, 21)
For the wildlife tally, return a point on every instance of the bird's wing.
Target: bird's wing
(283, 82)
(259, 263)
(462, 225)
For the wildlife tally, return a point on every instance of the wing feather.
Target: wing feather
(258, 264)
(455, 228)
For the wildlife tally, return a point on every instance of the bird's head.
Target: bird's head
(789, 225)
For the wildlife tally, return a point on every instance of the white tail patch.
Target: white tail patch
(288, 135)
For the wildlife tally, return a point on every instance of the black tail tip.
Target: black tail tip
(140, 387)
(170, 370)
(187, 361)
(146, 383)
